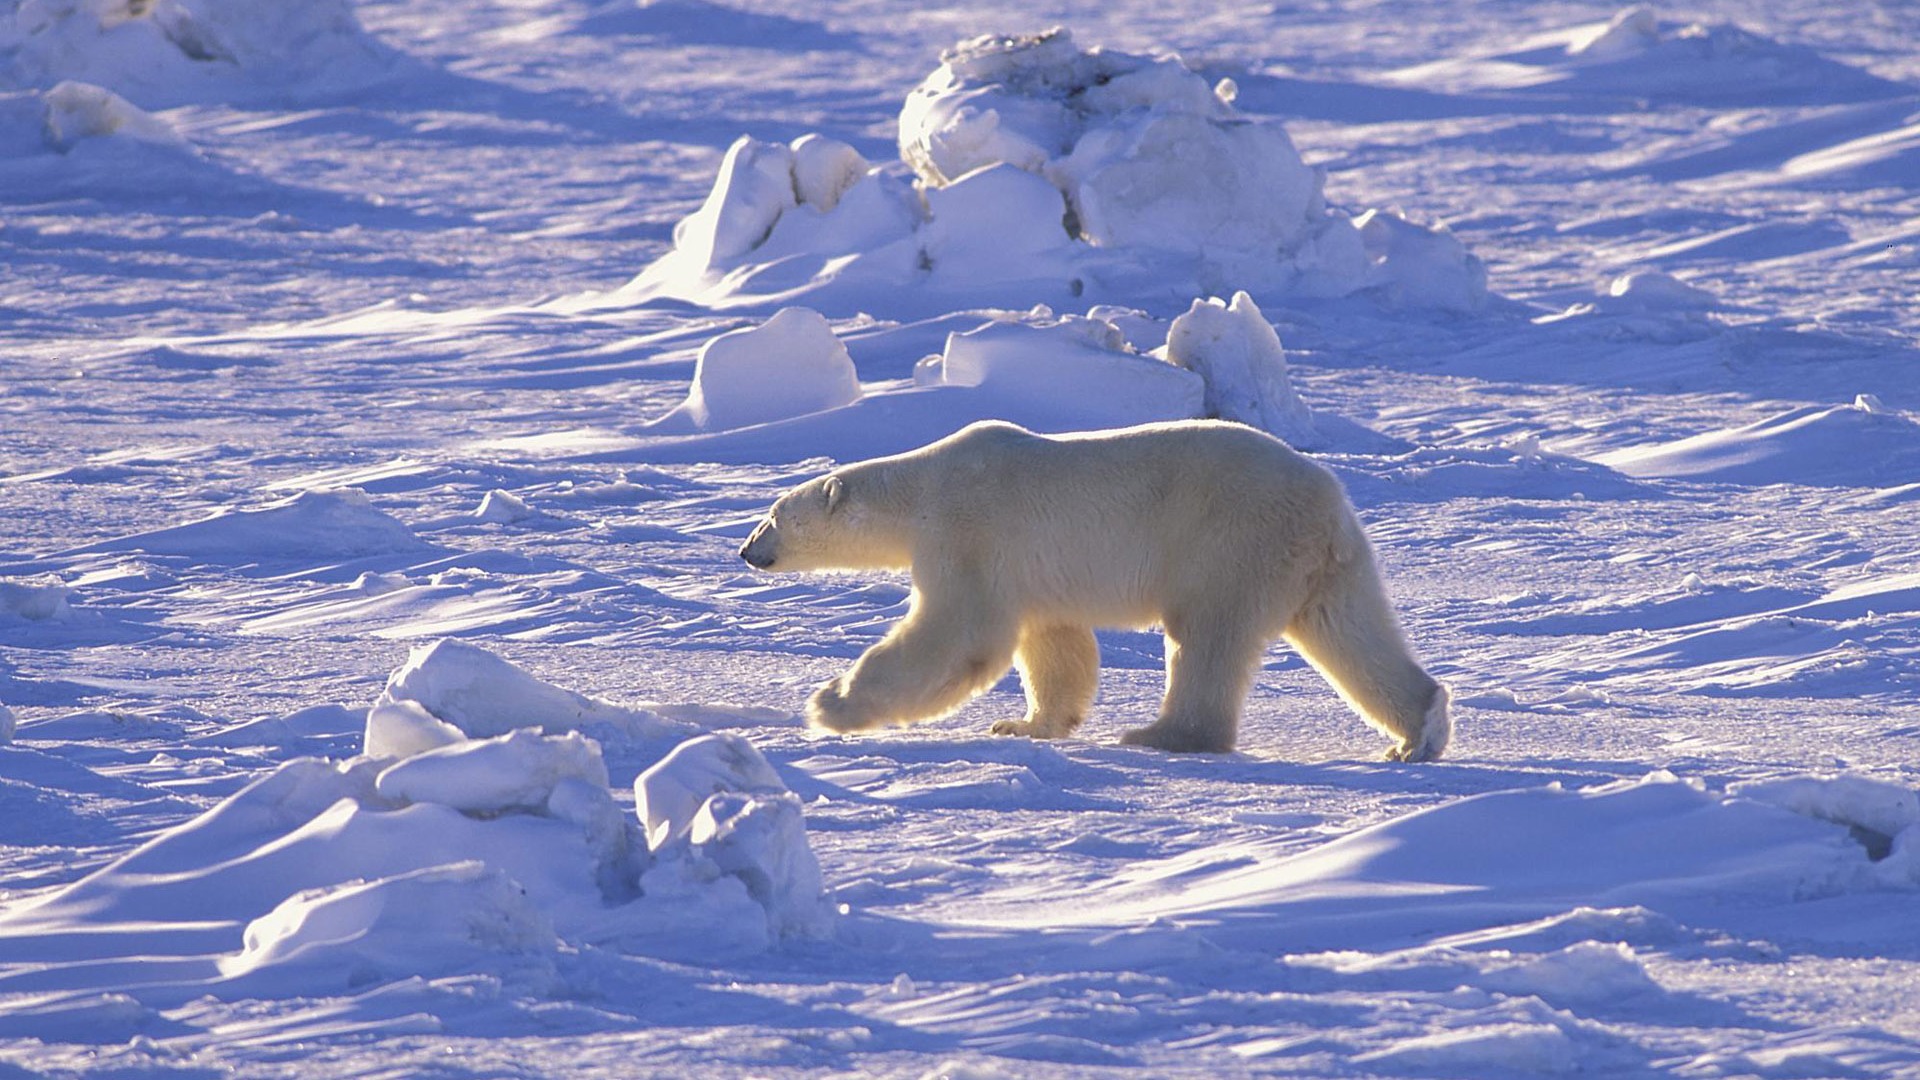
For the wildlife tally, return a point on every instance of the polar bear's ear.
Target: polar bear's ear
(836, 492)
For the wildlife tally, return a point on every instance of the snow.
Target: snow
(1235, 351)
(788, 366)
(1044, 170)
(381, 691)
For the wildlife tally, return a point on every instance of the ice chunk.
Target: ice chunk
(1175, 181)
(7, 725)
(993, 214)
(754, 188)
(714, 809)
(1419, 266)
(1653, 290)
(515, 771)
(503, 508)
(668, 796)
(788, 366)
(77, 110)
(1630, 32)
(398, 729)
(1069, 359)
(761, 839)
(421, 922)
(482, 695)
(1237, 353)
(169, 52)
(824, 169)
(45, 599)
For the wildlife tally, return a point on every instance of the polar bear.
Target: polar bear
(1021, 544)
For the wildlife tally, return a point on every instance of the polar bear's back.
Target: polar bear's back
(1118, 526)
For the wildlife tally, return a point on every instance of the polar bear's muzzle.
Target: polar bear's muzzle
(758, 551)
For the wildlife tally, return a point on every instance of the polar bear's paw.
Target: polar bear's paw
(1179, 739)
(1436, 731)
(831, 710)
(1022, 728)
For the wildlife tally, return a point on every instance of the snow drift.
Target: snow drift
(1637, 55)
(1864, 444)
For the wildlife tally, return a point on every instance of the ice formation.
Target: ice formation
(715, 809)
(1041, 171)
(477, 853)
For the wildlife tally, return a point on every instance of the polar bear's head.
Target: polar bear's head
(807, 529)
(859, 517)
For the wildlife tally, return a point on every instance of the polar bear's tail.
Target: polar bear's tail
(1349, 633)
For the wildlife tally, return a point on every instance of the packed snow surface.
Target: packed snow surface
(387, 388)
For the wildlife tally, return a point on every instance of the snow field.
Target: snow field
(368, 546)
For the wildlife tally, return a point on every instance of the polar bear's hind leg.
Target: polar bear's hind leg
(1060, 668)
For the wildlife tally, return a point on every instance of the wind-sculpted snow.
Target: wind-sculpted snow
(324, 876)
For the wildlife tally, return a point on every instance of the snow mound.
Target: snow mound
(714, 807)
(1143, 149)
(336, 523)
(498, 507)
(1236, 352)
(57, 120)
(451, 690)
(1864, 444)
(1493, 860)
(37, 600)
(172, 52)
(1638, 56)
(788, 366)
(1041, 171)
(1074, 362)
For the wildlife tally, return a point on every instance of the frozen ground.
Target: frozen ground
(327, 334)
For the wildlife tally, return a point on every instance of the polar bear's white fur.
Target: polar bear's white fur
(1021, 544)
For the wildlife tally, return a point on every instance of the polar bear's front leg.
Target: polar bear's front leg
(1208, 675)
(1060, 668)
(935, 659)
